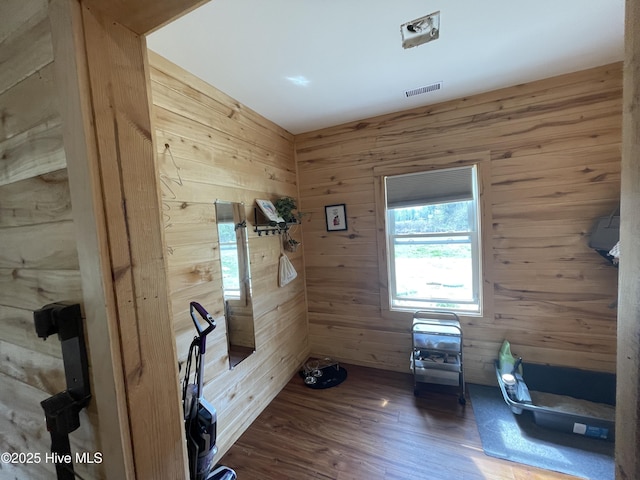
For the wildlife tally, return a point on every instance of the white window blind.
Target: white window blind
(438, 186)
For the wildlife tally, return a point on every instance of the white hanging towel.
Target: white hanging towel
(287, 272)
(615, 253)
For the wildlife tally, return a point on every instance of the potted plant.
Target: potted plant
(285, 207)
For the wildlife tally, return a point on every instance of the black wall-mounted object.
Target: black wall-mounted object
(62, 410)
(605, 234)
(269, 226)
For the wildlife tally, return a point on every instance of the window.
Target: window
(233, 250)
(432, 231)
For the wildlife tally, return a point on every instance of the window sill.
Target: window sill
(397, 314)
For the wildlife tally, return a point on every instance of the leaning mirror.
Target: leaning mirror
(236, 280)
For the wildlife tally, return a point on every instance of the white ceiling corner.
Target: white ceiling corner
(307, 65)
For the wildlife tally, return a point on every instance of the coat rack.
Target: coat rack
(269, 226)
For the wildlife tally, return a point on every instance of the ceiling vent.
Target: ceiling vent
(434, 87)
(421, 30)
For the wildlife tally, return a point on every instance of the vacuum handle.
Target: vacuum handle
(211, 324)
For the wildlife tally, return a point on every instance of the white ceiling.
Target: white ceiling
(309, 64)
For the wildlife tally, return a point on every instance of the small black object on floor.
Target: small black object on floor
(324, 377)
(519, 439)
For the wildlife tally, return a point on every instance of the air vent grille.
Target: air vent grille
(421, 90)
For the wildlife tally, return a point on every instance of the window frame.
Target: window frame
(484, 223)
(472, 234)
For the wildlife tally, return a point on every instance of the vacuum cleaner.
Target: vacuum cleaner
(199, 415)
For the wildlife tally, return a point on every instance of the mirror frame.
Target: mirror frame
(238, 350)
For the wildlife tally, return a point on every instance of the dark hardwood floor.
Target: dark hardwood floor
(370, 427)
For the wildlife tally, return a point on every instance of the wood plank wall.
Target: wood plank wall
(628, 390)
(38, 257)
(211, 148)
(554, 150)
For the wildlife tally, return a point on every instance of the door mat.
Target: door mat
(518, 438)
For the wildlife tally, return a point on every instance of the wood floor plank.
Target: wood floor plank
(369, 427)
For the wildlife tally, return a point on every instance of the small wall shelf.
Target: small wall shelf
(262, 225)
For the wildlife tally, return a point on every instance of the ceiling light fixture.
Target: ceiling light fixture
(421, 30)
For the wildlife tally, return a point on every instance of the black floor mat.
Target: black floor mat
(331, 376)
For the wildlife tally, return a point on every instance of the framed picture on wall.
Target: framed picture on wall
(336, 216)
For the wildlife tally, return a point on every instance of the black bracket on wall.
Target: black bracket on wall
(270, 226)
(62, 410)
